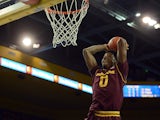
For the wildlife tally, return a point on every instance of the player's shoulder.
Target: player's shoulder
(95, 69)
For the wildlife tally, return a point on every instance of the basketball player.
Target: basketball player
(108, 80)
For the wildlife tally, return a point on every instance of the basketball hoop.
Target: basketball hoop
(65, 19)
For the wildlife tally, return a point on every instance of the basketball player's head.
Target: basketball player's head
(108, 60)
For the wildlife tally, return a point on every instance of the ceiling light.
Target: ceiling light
(13, 46)
(157, 26)
(36, 45)
(27, 41)
(146, 19)
(149, 21)
(152, 22)
(132, 24)
(138, 14)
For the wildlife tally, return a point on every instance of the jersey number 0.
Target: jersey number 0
(103, 82)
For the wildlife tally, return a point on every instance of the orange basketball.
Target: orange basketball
(30, 2)
(112, 44)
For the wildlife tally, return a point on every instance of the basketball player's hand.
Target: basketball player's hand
(126, 44)
(107, 47)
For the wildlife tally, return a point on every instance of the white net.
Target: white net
(65, 19)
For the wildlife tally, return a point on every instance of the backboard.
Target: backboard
(11, 10)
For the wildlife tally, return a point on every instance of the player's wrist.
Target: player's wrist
(106, 47)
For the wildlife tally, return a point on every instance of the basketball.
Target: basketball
(30, 2)
(112, 44)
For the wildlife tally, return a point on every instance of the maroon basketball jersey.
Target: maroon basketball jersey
(108, 87)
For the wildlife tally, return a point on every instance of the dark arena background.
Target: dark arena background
(39, 82)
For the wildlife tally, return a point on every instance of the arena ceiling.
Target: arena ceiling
(102, 22)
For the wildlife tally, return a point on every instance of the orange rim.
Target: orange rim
(69, 12)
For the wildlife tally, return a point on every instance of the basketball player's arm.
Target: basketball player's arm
(88, 54)
(122, 48)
